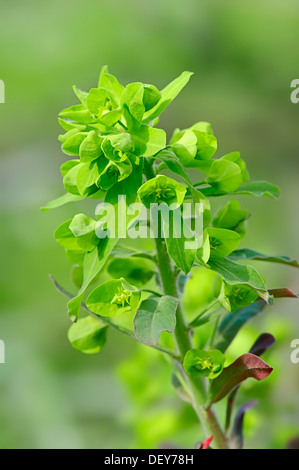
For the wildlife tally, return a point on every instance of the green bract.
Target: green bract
(189, 293)
(113, 298)
(161, 189)
(199, 363)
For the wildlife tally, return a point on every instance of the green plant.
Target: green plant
(120, 156)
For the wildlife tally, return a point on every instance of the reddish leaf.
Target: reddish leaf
(264, 341)
(284, 292)
(205, 444)
(247, 365)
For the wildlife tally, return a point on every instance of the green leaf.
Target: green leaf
(234, 273)
(77, 113)
(224, 176)
(83, 228)
(110, 83)
(177, 239)
(60, 201)
(93, 263)
(65, 237)
(185, 148)
(206, 145)
(148, 141)
(233, 322)
(99, 100)
(116, 145)
(230, 215)
(151, 96)
(255, 188)
(244, 367)
(113, 298)
(88, 176)
(246, 253)
(237, 296)
(167, 96)
(69, 172)
(87, 335)
(198, 363)
(71, 146)
(161, 189)
(132, 105)
(222, 242)
(235, 157)
(90, 148)
(77, 275)
(155, 314)
(137, 271)
(81, 95)
(259, 188)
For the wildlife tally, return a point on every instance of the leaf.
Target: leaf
(222, 242)
(233, 322)
(225, 176)
(230, 215)
(70, 176)
(148, 141)
(110, 83)
(237, 433)
(77, 113)
(235, 157)
(132, 105)
(255, 188)
(90, 148)
(246, 366)
(206, 443)
(151, 96)
(247, 253)
(113, 298)
(264, 342)
(87, 335)
(185, 148)
(65, 237)
(161, 189)
(283, 292)
(177, 238)
(137, 271)
(206, 145)
(259, 188)
(199, 363)
(155, 314)
(98, 101)
(81, 95)
(71, 146)
(234, 273)
(167, 96)
(93, 263)
(83, 228)
(60, 201)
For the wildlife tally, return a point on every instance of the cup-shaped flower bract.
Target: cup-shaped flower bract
(113, 298)
(161, 189)
(198, 362)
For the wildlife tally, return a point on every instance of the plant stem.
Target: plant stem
(168, 278)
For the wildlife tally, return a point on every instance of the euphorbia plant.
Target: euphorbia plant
(118, 157)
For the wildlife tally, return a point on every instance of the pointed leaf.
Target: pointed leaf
(247, 253)
(246, 366)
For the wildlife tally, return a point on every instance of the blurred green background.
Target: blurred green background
(244, 56)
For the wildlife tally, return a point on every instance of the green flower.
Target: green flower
(161, 189)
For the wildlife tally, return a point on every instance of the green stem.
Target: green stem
(197, 387)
